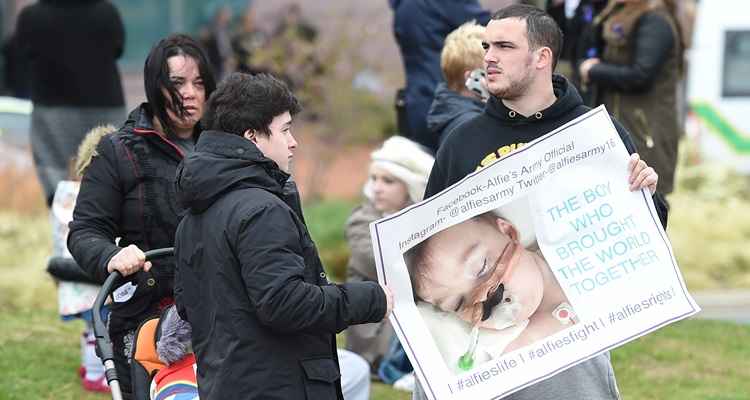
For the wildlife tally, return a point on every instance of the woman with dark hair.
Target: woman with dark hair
(127, 204)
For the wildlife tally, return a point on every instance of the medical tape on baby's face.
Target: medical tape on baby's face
(489, 290)
(493, 284)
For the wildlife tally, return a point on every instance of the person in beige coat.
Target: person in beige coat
(397, 178)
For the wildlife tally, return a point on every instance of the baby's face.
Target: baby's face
(523, 293)
(465, 256)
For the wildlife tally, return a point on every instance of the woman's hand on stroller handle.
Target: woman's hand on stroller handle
(128, 261)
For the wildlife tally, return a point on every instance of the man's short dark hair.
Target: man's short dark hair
(243, 102)
(541, 28)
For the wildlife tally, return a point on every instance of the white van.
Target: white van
(719, 82)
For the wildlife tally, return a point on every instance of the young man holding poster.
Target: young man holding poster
(249, 279)
(527, 101)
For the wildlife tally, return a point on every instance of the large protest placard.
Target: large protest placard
(529, 266)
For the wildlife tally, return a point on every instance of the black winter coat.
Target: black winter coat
(73, 47)
(486, 138)
(449, 110)
(250, 282)
(127, 192)
(420, 28)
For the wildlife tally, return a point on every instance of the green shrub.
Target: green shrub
(709, 224)
(326, 221)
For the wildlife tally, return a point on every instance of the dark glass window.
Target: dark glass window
(736, 80)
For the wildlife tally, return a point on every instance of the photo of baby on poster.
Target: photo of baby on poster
(529, 266)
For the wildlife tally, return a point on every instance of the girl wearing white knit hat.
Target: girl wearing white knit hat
(397, 178)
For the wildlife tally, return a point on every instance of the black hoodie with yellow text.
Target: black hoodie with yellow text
(499, 131)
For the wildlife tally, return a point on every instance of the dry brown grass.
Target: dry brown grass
(25, 244)
(24, 240)
(709, 224)
(21, 192)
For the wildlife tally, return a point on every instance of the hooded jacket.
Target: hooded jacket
(251, 284)
(499, 130)
(484, 139)
(449, 109)
(420, 28)
(127, 193)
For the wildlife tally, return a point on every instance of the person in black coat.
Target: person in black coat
(249, 279)
(16, 79)
(127, 203)
(527, 101)
(71, 48)
(420, 26)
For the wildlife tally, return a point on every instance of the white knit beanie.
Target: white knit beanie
(406, 161)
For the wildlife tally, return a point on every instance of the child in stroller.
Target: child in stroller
(177, 380)
(164, 365)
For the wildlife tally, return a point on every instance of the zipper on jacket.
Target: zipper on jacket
(162, 137)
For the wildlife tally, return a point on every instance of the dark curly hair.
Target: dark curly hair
(243, 102)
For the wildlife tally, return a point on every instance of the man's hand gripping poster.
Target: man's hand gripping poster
(529, 266)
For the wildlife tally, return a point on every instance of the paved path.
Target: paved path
(730, 305)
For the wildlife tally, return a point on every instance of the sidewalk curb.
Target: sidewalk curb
(728, 305)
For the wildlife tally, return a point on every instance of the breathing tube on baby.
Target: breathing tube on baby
(486, 296)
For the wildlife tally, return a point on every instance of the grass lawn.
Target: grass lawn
(690, 360)
(39, 354)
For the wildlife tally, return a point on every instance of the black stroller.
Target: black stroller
(146, 362)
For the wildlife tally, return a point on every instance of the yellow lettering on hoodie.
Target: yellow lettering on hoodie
(498, 154)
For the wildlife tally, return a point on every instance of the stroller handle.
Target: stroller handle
(103, 342)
